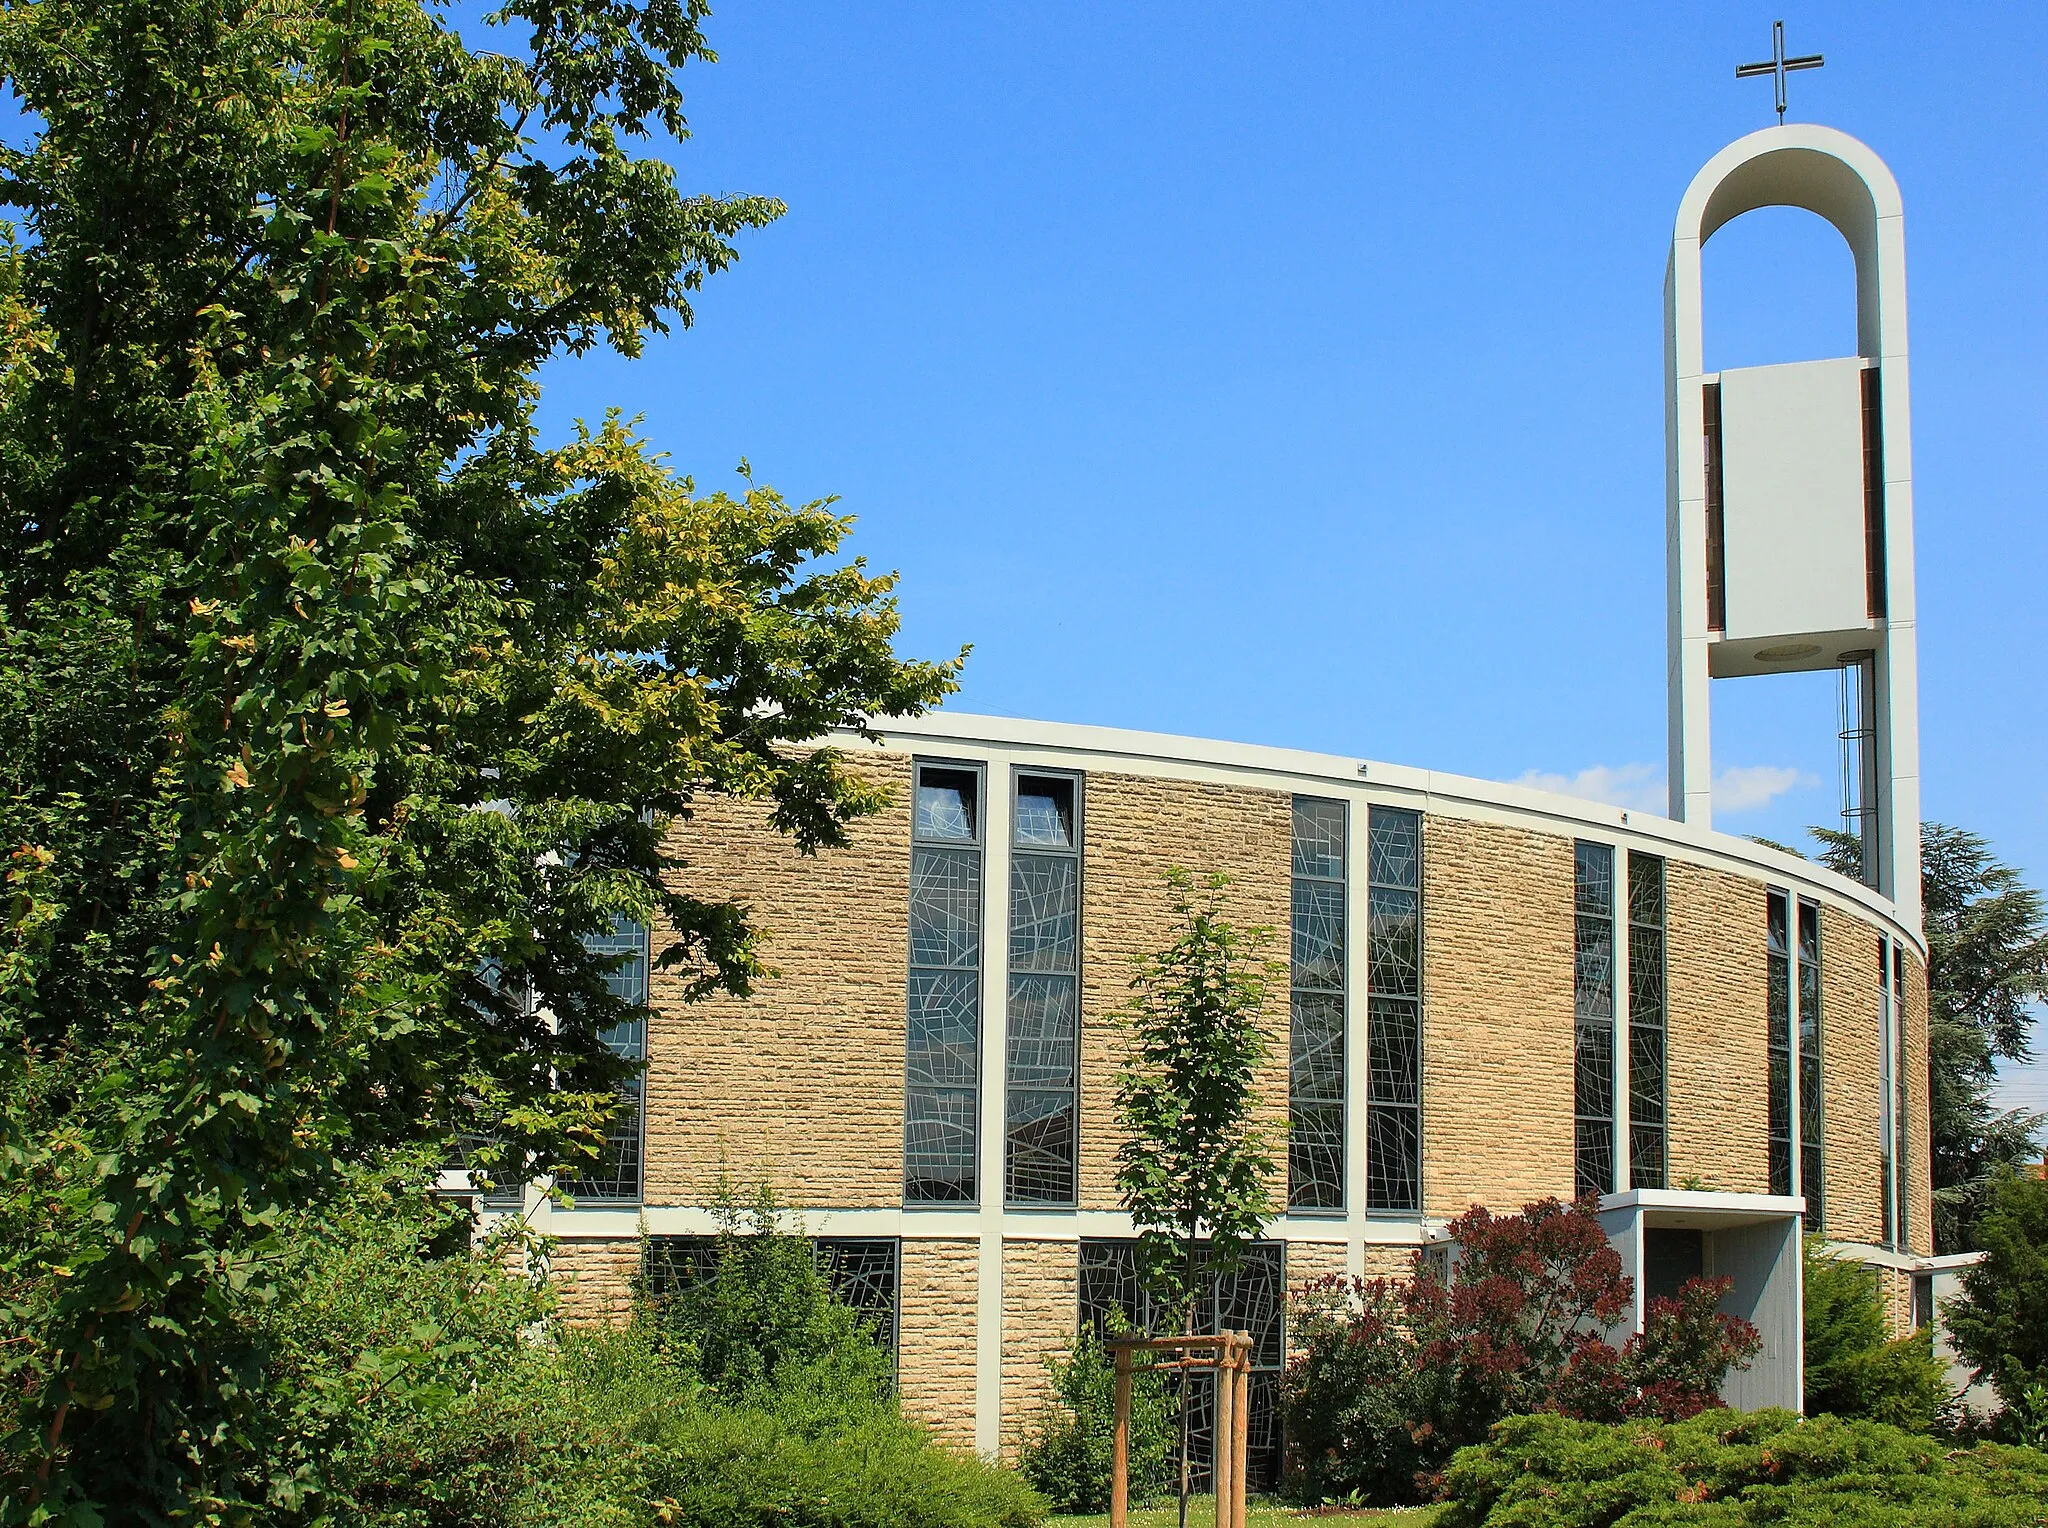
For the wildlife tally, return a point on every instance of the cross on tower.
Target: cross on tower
(1778, 64)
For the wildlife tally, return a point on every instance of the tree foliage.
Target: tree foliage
(340, 708)
(1393, 1376)
(1853, 1369)
(2000, 1324)
(1067, 1452)
(1987, 972)
(1195, 1167)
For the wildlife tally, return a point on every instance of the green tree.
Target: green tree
(1852, 1368)
(339, 707)
(1067, 1456)
(2000, 1321)
(1987, 969)
(1195, 1168)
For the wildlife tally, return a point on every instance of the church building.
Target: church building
(1492, 994)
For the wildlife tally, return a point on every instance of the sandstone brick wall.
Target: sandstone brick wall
(1852, 1090)
(803, 1082)
(594, 1275)
(1135, 829)
(1497, 1015)
(1920, 1213)
(1041, 1311)
(1313, 1260)
(1718, 1061)
(938, 1295)
(1382, 1262)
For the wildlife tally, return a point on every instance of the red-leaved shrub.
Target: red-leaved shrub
(1391, 1377)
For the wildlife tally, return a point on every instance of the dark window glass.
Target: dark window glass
(614, 1178)
(1646, 1022)
(942, 1042)
(1812, 1177)
(1393, 1039)
(1778, 1034)
(1253, 1300)
(1042, 1060)
(1593, 1028)
(861, 1270)
(1315, 1073)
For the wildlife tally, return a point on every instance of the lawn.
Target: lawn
(1264, 1514)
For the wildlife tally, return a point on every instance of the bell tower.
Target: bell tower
(1789, 498)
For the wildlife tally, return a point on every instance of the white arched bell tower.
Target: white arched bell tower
(1789, 497)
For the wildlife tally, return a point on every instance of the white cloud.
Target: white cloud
(1636, 787)
(1751, 786)
(1640, 787)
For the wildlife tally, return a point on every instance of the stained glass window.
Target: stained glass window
(1393, 1016)
(614, 1177)
(1811, 1176)
(1646, 1022)
(1315, 1073)
(1901, 1097)
(1778, 1036)
(861, 1270)
(1042, 1064)
(1253, 1300)
(1593, 1018)
(1887, 1127)
(942, 1050)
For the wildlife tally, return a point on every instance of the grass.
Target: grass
(1264, 1514)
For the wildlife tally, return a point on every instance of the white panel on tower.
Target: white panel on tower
(1792, 498)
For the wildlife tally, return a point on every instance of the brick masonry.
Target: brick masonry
(593, 1277)
(1853, 1166)
(1718, 1062)
(939, 1290)
(1135, 830)
(1920, 1213)
(803, 1082)
(1041, 1312)
(1497, 1015)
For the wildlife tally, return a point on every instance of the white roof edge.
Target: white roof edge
(1299, 764)
(1704, 1200)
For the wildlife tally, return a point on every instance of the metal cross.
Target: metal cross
(1778, 64)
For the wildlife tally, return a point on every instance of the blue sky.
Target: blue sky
(1302, 384)
(1293, 374)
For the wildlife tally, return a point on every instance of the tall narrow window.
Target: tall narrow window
(1593, 1015)
(1717, 536)
(1901, 1096)
(1043, 1072)
(1887, 1124)
(1778, 1037)
(1811, 1177)
(1315, 1071)
(1393, 1032)
(614, 1178)
(942, 1050)
(1647, 1135)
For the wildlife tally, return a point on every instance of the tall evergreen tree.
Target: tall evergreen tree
(1987, 970)
(338, 707)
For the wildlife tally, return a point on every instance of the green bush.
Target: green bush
(1728, 1469)
(409, 1389)
(1067, 1456)
(763, 1324)
(2000, 1321)
(1852, 1369)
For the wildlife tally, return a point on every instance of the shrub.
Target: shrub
(1852, 1369)
(2000, 1321)
(1067, 1456)
(1393, 1376)
(762, 1321)
(1734, 1468)
(408, 1389)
